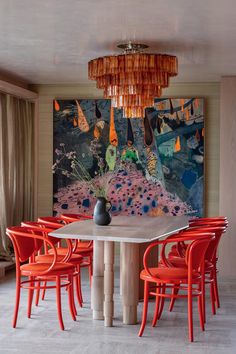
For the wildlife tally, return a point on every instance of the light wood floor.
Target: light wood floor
(41, 334)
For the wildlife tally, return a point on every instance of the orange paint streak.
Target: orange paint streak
(96, 132)
(75, 122)
(187, 114)
(177, 144)
(112, 132)
(56, 106)
(197, 135)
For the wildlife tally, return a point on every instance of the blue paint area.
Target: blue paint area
(118, 185)
(129, 201)
(189, 178)
(64, 206)
(154, 203)
(145, 208)
(196, 197)
(86, 203)
(165, 209)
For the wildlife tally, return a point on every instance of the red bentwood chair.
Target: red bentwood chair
(26, 243)
(46, 257)
(176, 256)
(209, 265)
(84, 249)
(188, 279)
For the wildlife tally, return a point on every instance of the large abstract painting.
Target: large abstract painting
(152, 166)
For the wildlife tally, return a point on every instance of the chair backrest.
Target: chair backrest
(43, 228)
(35, 225)
(69, 218)
(53, 222)
(212, 248)
(209, 219)
(213, 245)
(196, 252)
(209, 223)
(75, 217)
(25, 242)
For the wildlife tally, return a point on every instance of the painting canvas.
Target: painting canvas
(152, 166)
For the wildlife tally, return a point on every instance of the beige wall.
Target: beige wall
(227, 204)
(209, 91)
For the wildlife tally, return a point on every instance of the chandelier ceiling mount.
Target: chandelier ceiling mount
(131, 47)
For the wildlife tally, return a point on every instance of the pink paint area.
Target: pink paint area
(130, 193)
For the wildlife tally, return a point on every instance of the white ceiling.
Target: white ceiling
(51, 41)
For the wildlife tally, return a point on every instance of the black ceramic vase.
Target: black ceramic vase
(101, 215)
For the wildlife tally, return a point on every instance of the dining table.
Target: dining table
(130, 232)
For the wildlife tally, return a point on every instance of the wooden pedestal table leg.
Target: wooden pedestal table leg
(130, 281)
(108, 283)
(98, 280)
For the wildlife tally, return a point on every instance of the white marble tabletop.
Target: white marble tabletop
(133, 229)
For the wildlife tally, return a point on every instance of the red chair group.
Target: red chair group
(47, 261)
(188, 267)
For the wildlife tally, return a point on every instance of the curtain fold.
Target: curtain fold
(16, 164)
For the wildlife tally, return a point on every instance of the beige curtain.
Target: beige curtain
(16, 164)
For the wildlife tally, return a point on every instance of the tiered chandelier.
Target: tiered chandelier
(133, 79)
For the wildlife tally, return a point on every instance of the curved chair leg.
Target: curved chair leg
(175, 291)
(200, 310)
(73, 301)
(145, 308)
(37, 294)
(90, 270)
(58, 293)
(203, 296)
(162, 302)
(18, 288)
(78, 287)
(212, 293)
(71, 298)
(216, 288)
(190, 312)
(44, 290)
(30, 296)
(156, 311)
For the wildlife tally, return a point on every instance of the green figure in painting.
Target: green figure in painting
(130, 153)
(111, 154)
